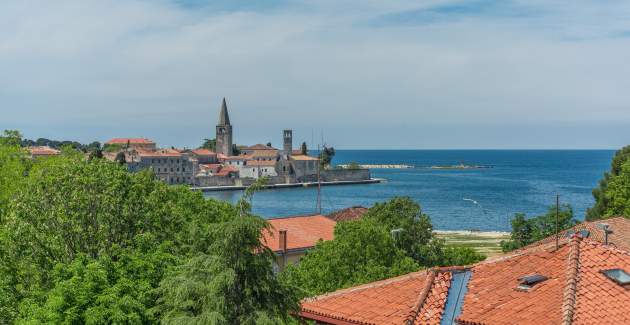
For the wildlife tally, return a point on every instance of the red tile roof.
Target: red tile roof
(618, 237)
(260, 146)
(43, 151)
(265, 153)
(226, 170)
(575, 292)
(239, 157)
(303, 157)
(160, 153)
(353, 213)
(264, 163)
(203, 152)
(129, 140)
(417, 297)
(302, 231)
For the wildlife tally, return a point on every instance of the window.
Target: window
(158, 169)
(171, 169)
(178, 169)
(528, 281)
(619, 276)
(184, 169)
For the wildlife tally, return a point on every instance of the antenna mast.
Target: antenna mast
(319, 183)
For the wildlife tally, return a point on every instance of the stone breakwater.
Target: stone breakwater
(388, 166)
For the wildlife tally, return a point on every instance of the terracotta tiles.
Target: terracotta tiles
(417, 298)
(302, 231)
(129, 140)
(353, 213)
(575, 292)
(619, 237)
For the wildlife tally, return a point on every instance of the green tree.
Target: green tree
(527, 231)
(210, 144)
(72, 214)
(304, 149)
(326, 156)
(231, 283)
(617, 195)
(604, 195)
(120, 158)
(362, 251)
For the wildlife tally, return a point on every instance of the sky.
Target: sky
(391, 74)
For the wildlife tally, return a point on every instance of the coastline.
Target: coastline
(290, 185)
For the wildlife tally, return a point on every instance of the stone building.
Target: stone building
(132, 143)
(224, 132)
(169, 165)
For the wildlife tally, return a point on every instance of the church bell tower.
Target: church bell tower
(224, 132)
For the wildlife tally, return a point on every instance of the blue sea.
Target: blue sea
(524, 181)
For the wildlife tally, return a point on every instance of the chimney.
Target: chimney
(283, 241)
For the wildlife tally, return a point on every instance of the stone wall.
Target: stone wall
(332, 175)
(203, 181)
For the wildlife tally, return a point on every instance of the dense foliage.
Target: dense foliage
(84, 241)
(612, 196)
(392, 238)
(60, 144)
(526, 231)
(326, 156)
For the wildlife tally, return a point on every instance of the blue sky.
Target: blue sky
(367, 74)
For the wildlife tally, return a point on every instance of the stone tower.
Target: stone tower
(224, 132)
(288, 142)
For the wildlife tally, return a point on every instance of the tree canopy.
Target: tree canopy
(85, 241)
(526, 231)
(612, 200)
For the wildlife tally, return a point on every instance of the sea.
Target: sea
(518, 181)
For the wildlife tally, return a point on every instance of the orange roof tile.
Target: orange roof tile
(257, 163)
(353, 213)
(203, 152)
(239, 157)
(618, 237)
(129, 140)
(303, 157)
(417, 297)
(575, 292)
(265, 153)
(43, 151)
(226, 170)
(302, 231)
(260, 146)
(160, 153)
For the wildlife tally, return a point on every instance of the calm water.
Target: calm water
(520, 181)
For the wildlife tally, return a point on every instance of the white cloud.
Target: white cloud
(96, 69)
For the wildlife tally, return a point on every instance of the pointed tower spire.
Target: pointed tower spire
(224, 118)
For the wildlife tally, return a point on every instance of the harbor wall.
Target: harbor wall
(333, 175)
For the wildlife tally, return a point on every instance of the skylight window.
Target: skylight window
(528, 281)
(620, 276)
(584, 233)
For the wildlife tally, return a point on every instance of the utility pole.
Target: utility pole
(319, 183)
(557, 217)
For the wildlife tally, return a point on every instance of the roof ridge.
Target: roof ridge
(569, 295)
(413, 314)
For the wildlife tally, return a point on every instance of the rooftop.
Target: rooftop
(43, 151)
(302, 231)
(260, 146)
(618, 233)
(203, 152)
(353, 213)
(129, 140)
(256, 163)
(303, 157)
(574, 290)
(160, 153)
